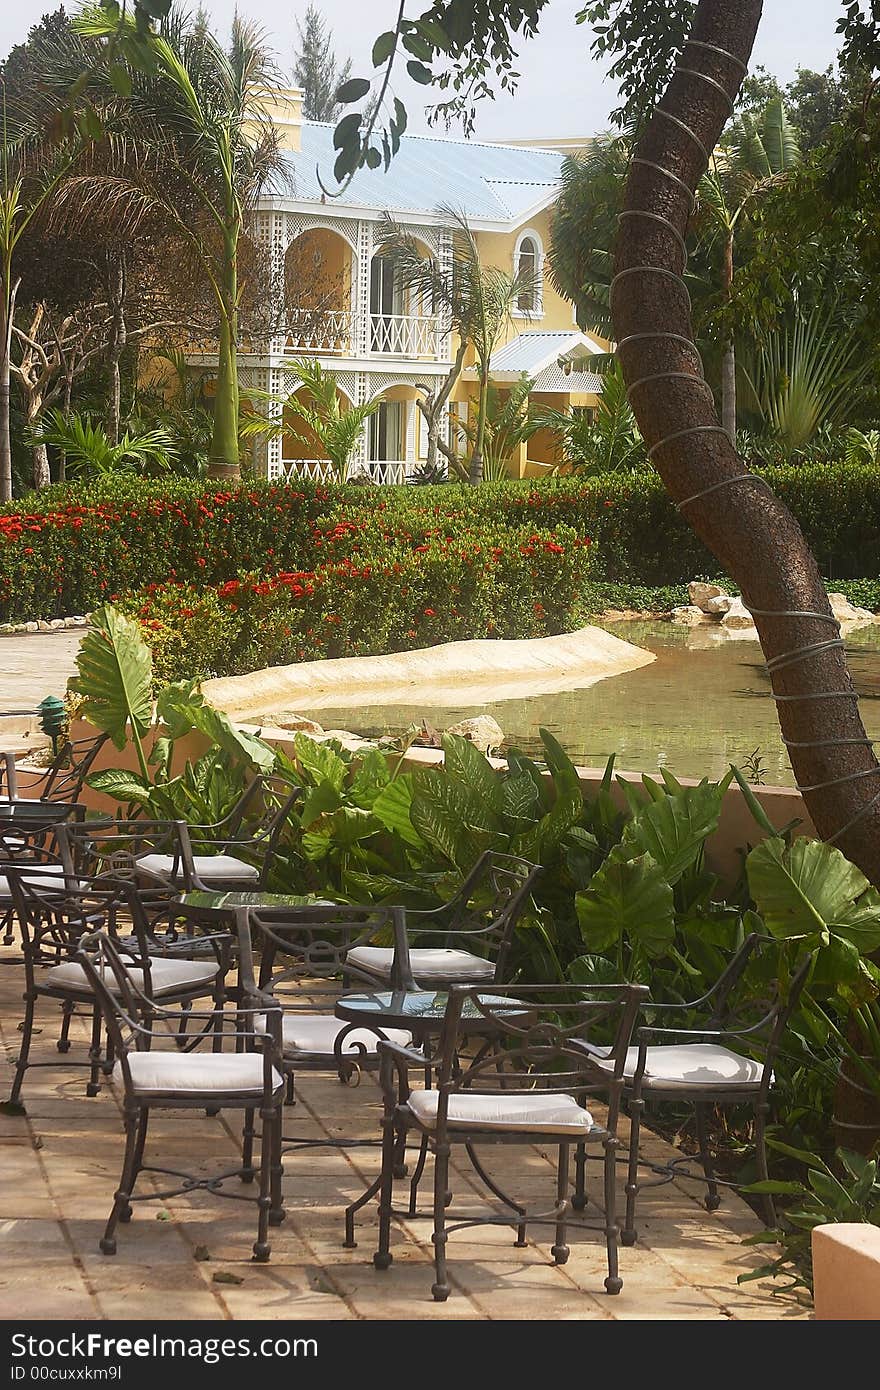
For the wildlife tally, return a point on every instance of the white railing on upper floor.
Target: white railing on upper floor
(405, 335)
(328, 332)
(382, 471)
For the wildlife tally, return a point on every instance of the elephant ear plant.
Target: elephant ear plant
(115, 686)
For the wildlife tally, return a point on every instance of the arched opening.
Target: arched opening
(302, 451)
(529, 263)
(402, 322)
(318, 293)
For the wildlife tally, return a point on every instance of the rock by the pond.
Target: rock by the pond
(482, 731)
(737, 616)
(297, 723)
(717, 607)
(701, 595)
(688, 616)
(846, 612)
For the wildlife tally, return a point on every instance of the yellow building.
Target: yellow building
(346, 309)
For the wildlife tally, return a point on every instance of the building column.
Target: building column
(361, 290)
(361, 451)
(275, 413)
(445, 259)
(280, 234)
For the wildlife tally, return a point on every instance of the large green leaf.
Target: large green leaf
(121, 784)
(392, 807)
(320, 761)
(370, 777)
(181, 708)
(674, 828)
(630, 899)
(805, 889)
(466, 764)
(115, 675)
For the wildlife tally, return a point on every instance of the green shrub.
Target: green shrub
(392, 597)
(73, 547)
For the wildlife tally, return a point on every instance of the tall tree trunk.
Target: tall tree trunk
(224, 459)
(42, 476)
(728, 358)
(118, 337)
(753, 536)
(5, 437)
(65, 410)
(751, 533)
(476, 467)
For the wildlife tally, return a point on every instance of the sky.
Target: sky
(562, 90)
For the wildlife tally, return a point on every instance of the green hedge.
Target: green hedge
(491, 583)
(74, 547)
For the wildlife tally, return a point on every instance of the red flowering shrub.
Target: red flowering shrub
(393, 599)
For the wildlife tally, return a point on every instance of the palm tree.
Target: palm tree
(476, 302)
(336, 430)
(806, 373)
(610, 443)
(507, 425)
(581, 254)
(190, 148)
(755, 154)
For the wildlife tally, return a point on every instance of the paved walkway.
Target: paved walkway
(36, 664)
(190, 1257)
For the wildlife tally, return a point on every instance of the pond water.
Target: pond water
(703, 704)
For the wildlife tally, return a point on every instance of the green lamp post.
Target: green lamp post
(53, 718)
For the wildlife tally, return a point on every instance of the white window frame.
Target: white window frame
(529, 234)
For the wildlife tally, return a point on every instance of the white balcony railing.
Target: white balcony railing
(405, 335)
(384, 471)
(328, 332)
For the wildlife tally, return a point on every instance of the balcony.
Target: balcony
(405, 335)
(327, 332)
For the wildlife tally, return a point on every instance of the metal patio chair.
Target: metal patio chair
(468, 939)
(528, 1083)
(726, 1060)
(28, 850)
(54, 915)
(249, 1079)
(64, 778)
(236, 853)
(304, 952)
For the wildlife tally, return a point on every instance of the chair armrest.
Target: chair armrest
(406, 1056)
(396, 1059)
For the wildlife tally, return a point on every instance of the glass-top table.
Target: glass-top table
(225, 903)
(420, 1011)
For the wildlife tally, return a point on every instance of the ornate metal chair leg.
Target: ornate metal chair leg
(121, 1203)
(417, 1173)
(579, 1197)
(248, 1172)
(63, 1043)
(14, 1106)
(276, 1211)
(629, 1234)
(383, 1257)
(262, 1248)
(94, 1084)
(614, 1283)
(559, 1250)
(440, 1287)
(713, 1201)
(185, 1010)
(140, 1142)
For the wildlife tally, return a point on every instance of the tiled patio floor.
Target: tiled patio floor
(60, 1166)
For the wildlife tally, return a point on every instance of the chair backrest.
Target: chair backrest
(300, 946)
(55, 914)
(66, 774)
(485, 910)
(254, 827)
(114, 850)
(25, 847)
(535, 1038)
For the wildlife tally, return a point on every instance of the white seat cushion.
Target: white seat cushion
(166, 975)
(683, 1065)
(209, 867)
(531, 1111)
(317, 1033)
(208, 1073)
(44, 877)
(428, 963)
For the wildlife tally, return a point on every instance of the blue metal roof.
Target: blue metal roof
(492, 183)
(539, 349)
